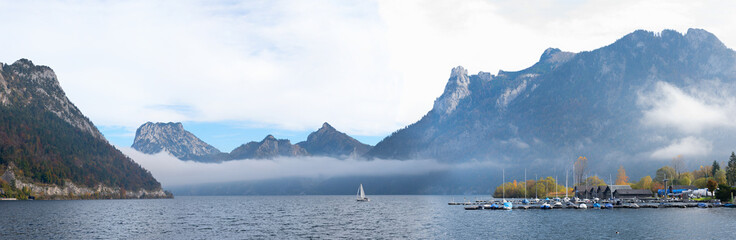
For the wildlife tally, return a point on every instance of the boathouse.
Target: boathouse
(581, 191)
(597, 192)
(608, 191)
(632, 193)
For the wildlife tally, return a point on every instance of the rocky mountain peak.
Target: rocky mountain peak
(326, 127)
(269, 147)
(455, 90)
(25, 84)
(151, 138)
(699, 37)
(555, 55)
(328, 141)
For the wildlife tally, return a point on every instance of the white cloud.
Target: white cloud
(171, 171)
(688, 146)
(670, 107)
(369, 66)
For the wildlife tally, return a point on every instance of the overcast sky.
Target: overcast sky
(236, 71)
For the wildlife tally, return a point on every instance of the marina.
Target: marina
(582, 204)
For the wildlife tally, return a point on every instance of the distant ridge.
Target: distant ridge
(269, 147)
(327, 141)
(153, 138)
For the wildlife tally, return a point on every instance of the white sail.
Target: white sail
(361, 194)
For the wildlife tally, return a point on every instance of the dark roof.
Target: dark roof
(634, 191)
(616, 187)
(691, 187)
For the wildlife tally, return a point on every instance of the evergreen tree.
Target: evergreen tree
(731, 170)
(715, 168)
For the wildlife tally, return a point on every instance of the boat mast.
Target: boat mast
(536, 196)
(566, 183)
(524, 183)
(610, 188)
(503, 184)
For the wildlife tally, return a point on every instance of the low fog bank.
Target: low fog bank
(324, 175)
(172, 172)
(430, 183)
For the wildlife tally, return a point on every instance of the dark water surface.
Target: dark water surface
(290, 217)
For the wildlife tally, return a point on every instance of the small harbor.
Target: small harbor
(555, 204)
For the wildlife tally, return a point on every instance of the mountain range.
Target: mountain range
(51, 150)
(627, 102)
(623, 103)
(152, 138)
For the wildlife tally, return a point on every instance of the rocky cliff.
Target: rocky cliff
(23, 83)
(151, 138)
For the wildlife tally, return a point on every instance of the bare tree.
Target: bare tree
(678, 164)
(580, 169)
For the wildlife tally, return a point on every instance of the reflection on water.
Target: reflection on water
(343, 217)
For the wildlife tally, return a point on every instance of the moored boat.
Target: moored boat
(473, 208)
(508, 206)
(546, 206)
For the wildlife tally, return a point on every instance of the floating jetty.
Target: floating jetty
(498, 205)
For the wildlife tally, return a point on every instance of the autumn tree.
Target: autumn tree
(656, 186)
(580, 169)
(621, 178)
(703, 172)
(701, 182)
(594, 181)
(684, 179)
(712, 185)
(720, 177)
(644, 183)
(665, 172)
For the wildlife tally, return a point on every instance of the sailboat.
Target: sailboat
(361, 194)
(506, 205)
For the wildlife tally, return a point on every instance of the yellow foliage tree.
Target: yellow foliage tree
(621, 178)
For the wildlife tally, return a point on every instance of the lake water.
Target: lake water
(290, 217)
